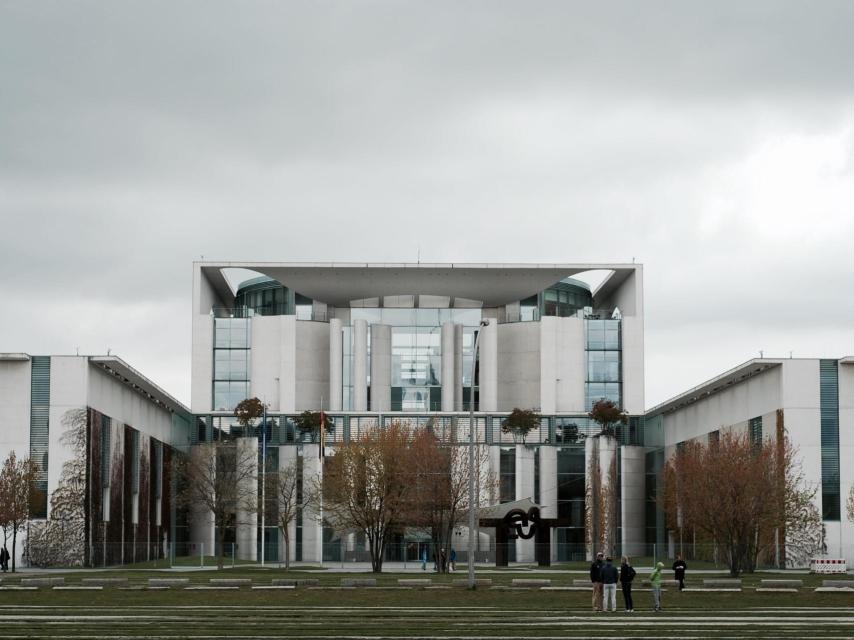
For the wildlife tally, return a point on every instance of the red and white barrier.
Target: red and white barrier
(828, 565)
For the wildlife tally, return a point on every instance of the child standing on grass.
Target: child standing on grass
(655, 583)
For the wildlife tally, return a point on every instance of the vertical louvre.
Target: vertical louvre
(829, 392)
(40, 427)
(106, 439)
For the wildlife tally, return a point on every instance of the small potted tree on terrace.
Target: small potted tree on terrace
(608, 415)
(309, 421)
(520, 422)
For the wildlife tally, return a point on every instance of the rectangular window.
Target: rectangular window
(231, 370)
(106, 453)
(134, 462)
(507, 475)
(158, 469)
(570, 485)
(537, 475)
(829, 398)
(754, 430)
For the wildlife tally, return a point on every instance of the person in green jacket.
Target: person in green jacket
(655, 583)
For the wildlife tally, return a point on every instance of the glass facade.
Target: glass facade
(604, 371)
(231, 362)
(416, 354)
(829, 398)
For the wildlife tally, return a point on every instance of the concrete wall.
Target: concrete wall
(755, 396)
(201, 365)
(15, 380)
(633, 499)
(110, 397)
(518, 366)
(633, 364)
(312, 364)
(846, 453)
(68, 391)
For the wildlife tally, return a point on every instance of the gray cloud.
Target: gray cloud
(712, 141)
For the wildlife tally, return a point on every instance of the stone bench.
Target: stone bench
(463, 583)
(168, 583)
(582, 582)
(358, 582)
(531, 582)
(712, 590)
(272, 587)
(230, 582)
(42, 582)
(781, 584)
(77, 587)
(838, 584)
(293, 582)
(415, 582)
(722, 583)
(104, 582)
(664, 583)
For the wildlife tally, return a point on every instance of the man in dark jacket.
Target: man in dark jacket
(609, 582)
(627, 574)
(4, 559)
(679, 570)
(596, 579)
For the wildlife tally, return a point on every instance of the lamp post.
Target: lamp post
(472, 532)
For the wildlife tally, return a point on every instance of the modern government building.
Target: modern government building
(375, 343)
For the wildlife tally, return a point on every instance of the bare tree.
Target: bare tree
(293, 497)
(221, 477)
(745, 496)
(440, 499)
(366, 486)
(849, 504)
(17, 478)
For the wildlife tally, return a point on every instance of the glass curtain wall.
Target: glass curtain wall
(231, 362)
(570, 503)
(416, 354)
(604, 377)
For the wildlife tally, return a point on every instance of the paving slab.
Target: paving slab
(77, 587)
(273, 587)
(781, 584)
(776, 590)
(531, 582)
(104, 582)
(358, 582)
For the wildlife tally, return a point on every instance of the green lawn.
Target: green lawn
(391, 612)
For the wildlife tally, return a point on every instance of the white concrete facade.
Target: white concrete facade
(759, 389)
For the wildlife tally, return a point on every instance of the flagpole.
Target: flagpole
(320, 469)
(263, 481)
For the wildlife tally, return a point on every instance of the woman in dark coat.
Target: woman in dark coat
(679, 571)
(627, 574)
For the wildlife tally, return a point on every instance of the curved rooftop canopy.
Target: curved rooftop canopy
(339, 283)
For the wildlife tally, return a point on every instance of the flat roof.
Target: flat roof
(719, 383)
(495, 284)
(134, 379)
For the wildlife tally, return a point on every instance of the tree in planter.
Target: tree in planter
(219, 476)
(248, 411)
(520, 422)
(309, 422)
(17, 479)
(608, 415)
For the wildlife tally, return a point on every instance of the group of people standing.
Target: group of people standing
(605, 576)
(442, 562)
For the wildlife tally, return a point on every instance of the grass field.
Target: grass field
(389, 612)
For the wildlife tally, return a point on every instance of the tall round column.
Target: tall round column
(336, 364)
(458, 367)
(448, 360)
(380, 367)
(489, 367)
(360, 365)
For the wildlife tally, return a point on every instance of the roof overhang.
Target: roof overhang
(139, 383)
(734, 376)
(493, 284)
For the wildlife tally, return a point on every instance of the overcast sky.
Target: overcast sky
(711, 141)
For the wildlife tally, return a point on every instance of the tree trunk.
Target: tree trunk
(287, 548)
(220, 556)
(14, 540)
